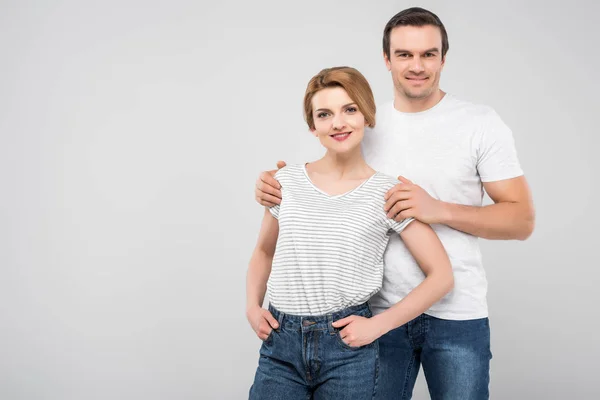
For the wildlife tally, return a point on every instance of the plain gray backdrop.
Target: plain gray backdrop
(131, 136)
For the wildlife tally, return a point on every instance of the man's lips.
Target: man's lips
(340, 136)
(417, 79)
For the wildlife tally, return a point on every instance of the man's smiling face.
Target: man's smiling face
(415, 60)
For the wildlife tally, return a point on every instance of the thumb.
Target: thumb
(343, 322)
(281, 164)
(272, 321)
(404, 180)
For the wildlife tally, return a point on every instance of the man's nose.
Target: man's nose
(417, 65)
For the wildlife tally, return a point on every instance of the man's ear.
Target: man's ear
(388, 64)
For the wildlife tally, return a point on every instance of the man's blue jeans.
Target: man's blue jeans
(455, 356)
(306, 359)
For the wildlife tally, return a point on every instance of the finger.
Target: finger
(399, 207)
(268, 177)
(404, 180)
(281, 164)
(401, 187)
(264, 328)
(265, 203)
(268, 184)
(346, 335)
(396, 197)
(270, 319)
(342, 322)
(265, 199)
(263, 336)
(405, 214)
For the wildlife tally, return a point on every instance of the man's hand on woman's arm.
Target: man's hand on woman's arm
(512, 216)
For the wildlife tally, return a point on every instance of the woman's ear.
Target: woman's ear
(313, 132)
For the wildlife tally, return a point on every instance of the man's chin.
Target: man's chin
(417, 94)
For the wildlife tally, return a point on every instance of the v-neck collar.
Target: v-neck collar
(310, 182)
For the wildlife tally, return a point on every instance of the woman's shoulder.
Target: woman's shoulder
(290, 172)
(385, 181)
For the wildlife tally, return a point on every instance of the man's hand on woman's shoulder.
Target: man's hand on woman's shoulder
(267, 190)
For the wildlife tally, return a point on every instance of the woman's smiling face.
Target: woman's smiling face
(339, 124)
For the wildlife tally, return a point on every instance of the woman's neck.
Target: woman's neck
(343, 166)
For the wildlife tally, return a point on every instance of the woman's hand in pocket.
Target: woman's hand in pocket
(358, 331)
(261, 321)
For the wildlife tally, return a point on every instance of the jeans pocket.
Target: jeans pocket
(346, 346)
(269, 338)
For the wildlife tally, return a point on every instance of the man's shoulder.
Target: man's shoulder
(477, 110)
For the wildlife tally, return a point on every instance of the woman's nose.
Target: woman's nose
(338, 122)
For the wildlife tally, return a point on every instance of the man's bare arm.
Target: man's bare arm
(512, 215)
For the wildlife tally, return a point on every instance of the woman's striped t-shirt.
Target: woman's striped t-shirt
(329, 252)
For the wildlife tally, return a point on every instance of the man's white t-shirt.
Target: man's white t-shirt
(449, 150)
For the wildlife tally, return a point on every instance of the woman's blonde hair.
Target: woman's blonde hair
(349, 79)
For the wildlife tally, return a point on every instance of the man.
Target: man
(451, 150)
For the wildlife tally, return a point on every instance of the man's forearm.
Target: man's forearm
(505, 220)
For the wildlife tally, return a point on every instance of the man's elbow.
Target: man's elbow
(527, 226)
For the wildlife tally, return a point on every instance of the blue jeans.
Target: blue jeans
(306, 359)
(455, 356)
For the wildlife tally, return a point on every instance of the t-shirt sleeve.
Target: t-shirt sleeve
(392, 224)
(496, 154)
(399, 226)
(275, 209)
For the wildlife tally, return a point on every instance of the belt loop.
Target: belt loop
(369, 308)
(280, 320)
(329, 324)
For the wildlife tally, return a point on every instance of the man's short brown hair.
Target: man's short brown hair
(414, 16)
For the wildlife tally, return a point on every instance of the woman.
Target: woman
(321, 252)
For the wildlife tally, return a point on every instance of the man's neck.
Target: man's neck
(408, 105)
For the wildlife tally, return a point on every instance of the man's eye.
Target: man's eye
(402, 55)
(429, 55)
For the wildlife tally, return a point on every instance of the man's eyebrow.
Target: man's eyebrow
(431, 50)
(327, 109)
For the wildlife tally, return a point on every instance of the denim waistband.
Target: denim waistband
(307, 322)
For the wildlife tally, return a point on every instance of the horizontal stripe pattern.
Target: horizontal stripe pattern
(329, 253)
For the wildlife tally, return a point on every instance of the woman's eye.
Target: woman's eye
(351, 109)
(321, 115)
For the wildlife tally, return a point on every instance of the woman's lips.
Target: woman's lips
(340, 137)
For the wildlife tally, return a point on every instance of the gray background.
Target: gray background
(131, 135)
